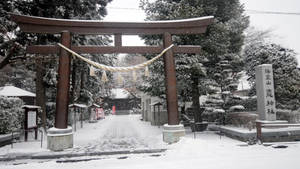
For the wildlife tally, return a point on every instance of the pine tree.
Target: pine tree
(286, 73)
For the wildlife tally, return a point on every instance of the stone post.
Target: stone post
(265, 92)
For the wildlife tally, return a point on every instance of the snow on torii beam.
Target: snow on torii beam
(56, 26)
(66, 28)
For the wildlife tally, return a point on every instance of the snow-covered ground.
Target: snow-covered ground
(118, 133)
(207, 151)
(114, 133)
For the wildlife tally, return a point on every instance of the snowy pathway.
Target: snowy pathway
(114, 133)
(124, 132)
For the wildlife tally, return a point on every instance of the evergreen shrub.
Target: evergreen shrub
(11, 114)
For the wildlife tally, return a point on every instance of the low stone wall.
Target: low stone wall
(281, 136)
(268, 135)
(235, 134)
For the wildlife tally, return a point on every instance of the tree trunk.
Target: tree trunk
(73, 87)
(195, 98)
(40, 86)
(40, 89)
(82, 79)
(9, 55)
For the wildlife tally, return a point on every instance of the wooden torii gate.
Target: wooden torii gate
(67, 28)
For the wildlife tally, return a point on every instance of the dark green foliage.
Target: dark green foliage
(67, 9)
(232, 101)
(249, 103)
(286, 73)
(50, 109)
(13, 42)
(223, 40)
(11, 114)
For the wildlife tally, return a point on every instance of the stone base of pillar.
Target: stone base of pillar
(59, 139)
(172, 133)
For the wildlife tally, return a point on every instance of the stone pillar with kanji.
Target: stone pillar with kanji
(265, 92)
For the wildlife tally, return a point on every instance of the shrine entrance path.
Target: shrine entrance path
(117, 133)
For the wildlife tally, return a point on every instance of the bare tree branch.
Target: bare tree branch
(9, 55)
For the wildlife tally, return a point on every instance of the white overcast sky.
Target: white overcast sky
(286, 28)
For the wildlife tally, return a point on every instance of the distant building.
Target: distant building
(122, 101)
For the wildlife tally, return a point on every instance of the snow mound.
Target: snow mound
(237, 108)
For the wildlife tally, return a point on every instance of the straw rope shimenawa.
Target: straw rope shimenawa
(116, 69)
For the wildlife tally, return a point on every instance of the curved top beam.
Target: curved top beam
(34, 24)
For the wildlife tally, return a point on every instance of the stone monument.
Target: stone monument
(265, 92)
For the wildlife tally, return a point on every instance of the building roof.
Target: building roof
(119, 93)
(31, 107)
(12, 91)
(78, 105)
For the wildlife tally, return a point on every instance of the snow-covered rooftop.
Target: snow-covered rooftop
(31, 107)
(12, 91)
(119, 93)
(78, 105)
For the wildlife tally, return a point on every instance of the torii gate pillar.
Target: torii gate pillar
(61, 136)
(173, 130)
(63, 86)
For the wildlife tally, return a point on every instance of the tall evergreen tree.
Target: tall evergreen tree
(286, 74)
(222, 41)
(13, 48)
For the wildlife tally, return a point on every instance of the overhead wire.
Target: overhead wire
(272, 12)
(247, 10)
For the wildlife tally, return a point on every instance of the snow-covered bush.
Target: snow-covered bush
(232, 101)
(242, 119)
(214, 115)
(11, 114)
(250, 103)
(217, 110)
(214, 111)
(236, 108)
